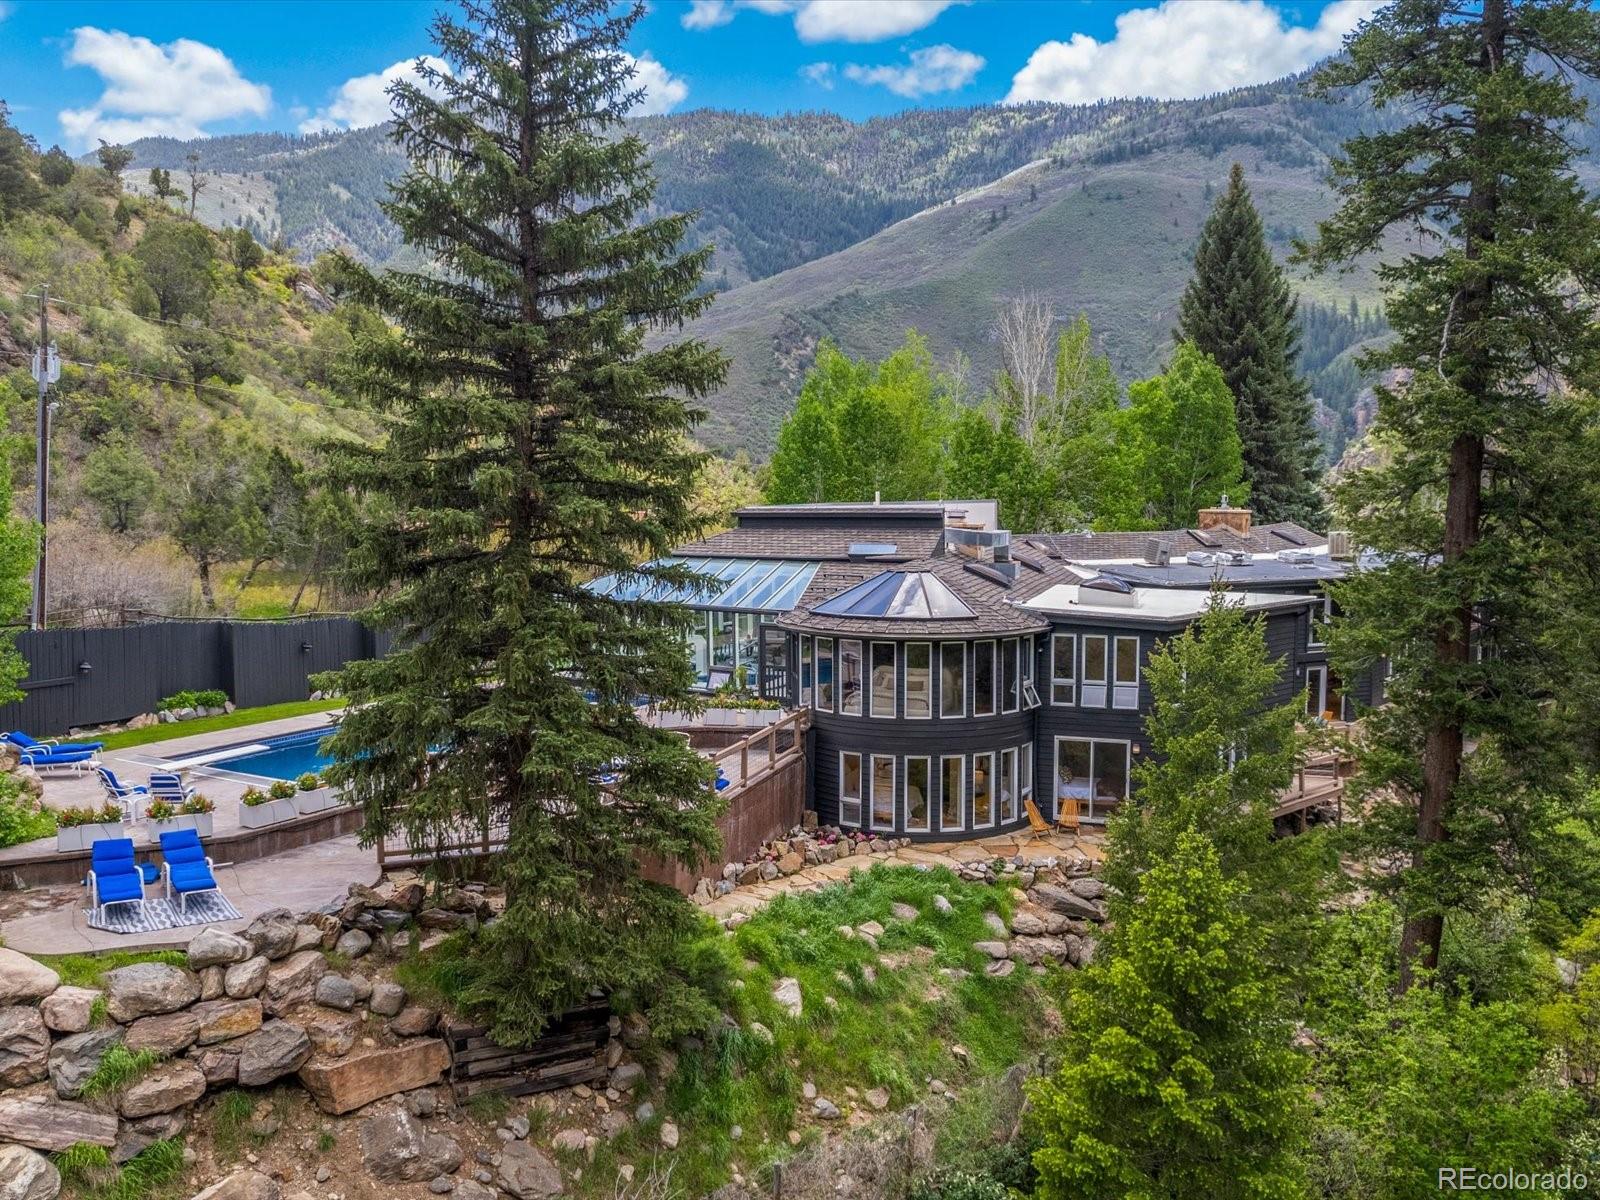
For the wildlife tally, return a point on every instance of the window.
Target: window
(983, 679)
(849, 788)
(1008, 785)
(700, 646)
(825, 674)
(805, 672)
(953, 679)
(1125, 693)
(748, 647)
(883, 791)
(1009, 685)
(1320, 615)
(722, 640)
(1063, 669)
(917, 794)
(1317, 692)
(1094, 671)
(1027, 659)
(850, 678)
(1025, 772)
(883, 679)
(1091, 774)
(919, 680)
(982, 790)
(953, 792)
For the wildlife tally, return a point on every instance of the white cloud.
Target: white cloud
(663, 91)
(172, 90)
(1184, 49)
(932, 69)
(819, 73)
(828, 20)
(364, 99)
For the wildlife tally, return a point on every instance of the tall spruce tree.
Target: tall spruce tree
(1239, 310)
(1479, 604)
(533, 441)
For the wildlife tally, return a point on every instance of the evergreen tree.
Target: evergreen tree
(533, 441)
(114, 161)
(1177, 1077)
(1239, 310)
(1473, 503)
(18, 188)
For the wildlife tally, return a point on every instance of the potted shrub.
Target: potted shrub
(165, 817)
(311, 796)
(80, 828)
(257, 808)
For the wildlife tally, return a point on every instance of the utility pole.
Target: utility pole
(46, 370)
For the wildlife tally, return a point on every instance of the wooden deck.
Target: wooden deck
(1318, 780)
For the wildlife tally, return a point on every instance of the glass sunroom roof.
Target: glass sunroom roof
(750, 584)
(918, 594)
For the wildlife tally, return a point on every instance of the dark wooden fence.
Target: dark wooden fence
(82, 677)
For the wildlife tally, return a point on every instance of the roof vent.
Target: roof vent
(1341, 544)
(1237, 558)
(1157, 552)
(1199, 558)
(1028, 560)
(1204, 538)
(1294, 539)
(985, 571)
(871, 549)
(1297, 557)
(1107, 590)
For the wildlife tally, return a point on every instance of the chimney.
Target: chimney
(1227, 517)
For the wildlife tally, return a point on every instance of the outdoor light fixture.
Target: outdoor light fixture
(84, 668)
(305, 647)
(1136, 747)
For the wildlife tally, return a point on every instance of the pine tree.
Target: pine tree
(1474, 506)
(1177, 1077)
(1239, 310)
(534, 441)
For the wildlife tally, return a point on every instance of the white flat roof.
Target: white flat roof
(1149, 604)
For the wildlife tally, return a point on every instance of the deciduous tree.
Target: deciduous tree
(175, 260)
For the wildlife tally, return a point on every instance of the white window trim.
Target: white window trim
(861, 670)
(861, 775)
(808, 668)
(833, 672)
(994, 791)
(1025, 774)
(872, 789)
(871, 685)
(927, 794)
(1102, 685)
(961, 800)
(1030, 696)
(1320, 693)
(928, 692)
(994, 678)
(1125, 695)
(961, 647)
(1004, 777)
(1010, 655)
(1070, 682)
(1093, 742)
(1326, 612)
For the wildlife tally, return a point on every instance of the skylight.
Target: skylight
(897, 594)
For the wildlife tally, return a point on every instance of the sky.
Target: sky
(75, 72)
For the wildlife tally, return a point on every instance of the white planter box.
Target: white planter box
(199, 822)
(69, 837)
(269, 813)
(306, 803)
(81, 837)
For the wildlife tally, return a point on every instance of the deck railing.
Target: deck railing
(1318, 779)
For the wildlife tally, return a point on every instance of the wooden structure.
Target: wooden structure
(571, 1051)
(763, 752)
(1318, 780)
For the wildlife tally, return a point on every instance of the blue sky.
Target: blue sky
(73, 72)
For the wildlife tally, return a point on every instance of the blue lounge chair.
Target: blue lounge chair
(49, 745)
(113, 876)
(57, 760)
(127, 795)
(169, 786)
(185, 867)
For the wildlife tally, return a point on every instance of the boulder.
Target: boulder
(903, 912)
(146, 989)
(134, 1136)
(332, 1036)
(242, 1185)
(1068, 903)
(213, 947)
(212, 980)
(413, 1021)
(787, 993)
(528, 1174)
(1088, 887)
(224, 1020)
(24, 1046)
(993, 949)
(328, 923)
(387, 999)
(36, 1117)
(69, 1009)
(626, 1077)
(166, 1034)
(350, 1083)
(306, 937)
(634, 1030)
(25, 1175)
(73, 1059)
(246, 978)
(362, 986)
(276, 1049)
(353, 943)
(24, 981)
(407, 897)
(397, 1148)
(335, 991)
(272, 933)
(166, 1087)
(292, 981)
(219, 1064)
(1037, 950)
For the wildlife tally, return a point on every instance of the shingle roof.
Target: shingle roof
(823, 542)
(1107, 547)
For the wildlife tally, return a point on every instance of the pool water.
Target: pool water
(287, 756)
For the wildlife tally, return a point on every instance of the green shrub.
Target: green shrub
(118, 1068)
(67, 818)
(253, 796)
(196, 805)
(309, 782)
(21, 822)
(957, 1185)
(87, 1171)
(159, 810)
(209, 698)
(282, 790)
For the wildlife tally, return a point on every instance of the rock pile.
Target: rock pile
(803, 847)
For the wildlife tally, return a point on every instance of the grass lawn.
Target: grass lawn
(233, 720)
(88, 970)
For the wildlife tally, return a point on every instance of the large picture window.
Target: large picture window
(1125, 693)
(983, 680)
(883, 791)
(1025, 773)
(953, 793)
(1094, 671)
(825, 674)
(982, 790)
(1010, 679)
(1063, 669)
(1092, 774)
(850, 678)
(918, 796)
(953, 679)
(919, 680)
(850, 788)
(1008, 785)
(722, 640)
(883, 679)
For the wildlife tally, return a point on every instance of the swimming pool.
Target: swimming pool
(287, 756)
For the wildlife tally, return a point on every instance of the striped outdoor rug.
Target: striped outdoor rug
(158, 913)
